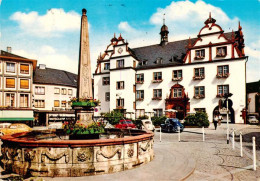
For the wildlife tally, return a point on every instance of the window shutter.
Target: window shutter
(24, 68)
(10, 83)
(56, 103)
(24, 84)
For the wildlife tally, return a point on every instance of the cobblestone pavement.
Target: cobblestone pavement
(192, 159)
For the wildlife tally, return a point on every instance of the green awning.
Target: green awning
(16, 119)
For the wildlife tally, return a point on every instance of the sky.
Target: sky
(49, 31)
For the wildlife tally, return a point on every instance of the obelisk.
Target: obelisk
(84, 71)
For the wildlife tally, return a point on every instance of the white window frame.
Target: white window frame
(28, 101)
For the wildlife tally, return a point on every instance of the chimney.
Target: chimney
(9, 49)
(42, 66)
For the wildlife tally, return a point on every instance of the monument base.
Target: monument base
(84, 117)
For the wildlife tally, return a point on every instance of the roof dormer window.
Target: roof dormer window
(221, 51)
(159, 61)
(199, 54)
(144, 62)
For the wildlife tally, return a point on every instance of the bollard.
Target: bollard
(160, 134)
(254, 154)
(233, 139)
(227, 136)
(241, 146)
(179, 133)
(203, 134)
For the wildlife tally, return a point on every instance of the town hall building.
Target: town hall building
(187, 76)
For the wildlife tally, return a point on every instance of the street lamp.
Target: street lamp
(226, 96)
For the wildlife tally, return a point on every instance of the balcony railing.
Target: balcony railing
(200, 77)
(223, 75)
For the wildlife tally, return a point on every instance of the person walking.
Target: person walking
(215, 121)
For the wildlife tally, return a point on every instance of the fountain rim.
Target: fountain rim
(14, 139)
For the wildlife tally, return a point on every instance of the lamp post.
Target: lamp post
(226, 96)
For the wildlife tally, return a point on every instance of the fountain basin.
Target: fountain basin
(52, 157)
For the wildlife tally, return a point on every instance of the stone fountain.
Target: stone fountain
(54, 154)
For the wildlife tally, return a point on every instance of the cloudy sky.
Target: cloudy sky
(48, 30)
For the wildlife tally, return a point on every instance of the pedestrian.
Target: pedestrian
(219, 119)
(215, 121)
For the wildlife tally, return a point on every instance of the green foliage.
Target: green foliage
(143, 117)
(113, 117)
(138, 123)
(199, 119)
(157, 121)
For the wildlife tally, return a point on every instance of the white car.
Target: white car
(147, 124)
(55, 125)
(252, 120)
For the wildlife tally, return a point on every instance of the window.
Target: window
(120, 103)
(24, 83)
(10, 83)
(39, 103)
(120, 63)
(9, 99)
(158, 112)
(177, 75)
(120, 85)
(107, 96)
(223, 71)
(221, 51)
(24, 68)
(199, 73)
(56, 90)
(56, 103)
(24, 98)
(106, 80)
(10, 67)
(159, 61)
(157, 94)
(144, 62)
(157, 76)
(70, 92)
(177, 92)
(134, 63)
(140, 95)
(140, 113)
(199, 54)
(139, 78)
(199, 92)
(222, 89)
(106, 66)
(63, 91)
(39, 90)
(63, 103)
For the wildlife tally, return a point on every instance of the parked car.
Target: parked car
(55, 125)
(147, 124)
(171, 125)
(125, 124)
(4, 125)
(15, 128)
(253, 120)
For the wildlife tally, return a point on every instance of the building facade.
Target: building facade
(187, 75)
(16, 80)
(52, 91)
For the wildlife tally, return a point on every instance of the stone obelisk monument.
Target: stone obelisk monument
(84, 72)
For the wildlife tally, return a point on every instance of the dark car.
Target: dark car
(125, 124)
(171, 125)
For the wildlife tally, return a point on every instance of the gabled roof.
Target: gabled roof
(13, 57)
(54, 77)
(253, 87)
(171, 54)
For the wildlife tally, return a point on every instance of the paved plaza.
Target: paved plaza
(192, 159)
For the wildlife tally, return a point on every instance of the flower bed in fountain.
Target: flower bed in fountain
(84, 102)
